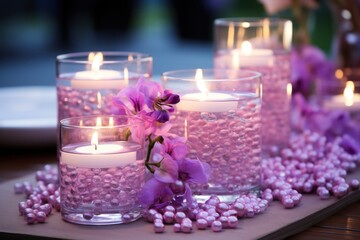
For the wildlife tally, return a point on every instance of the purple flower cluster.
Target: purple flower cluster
(309, 64)
(166, 157)
(331, 124)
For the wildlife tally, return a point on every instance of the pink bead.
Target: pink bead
(202, 214)
(30, 218)
(158, 216)
(201, 224)
(177, 227)
(179, 216)
(159, 227)
(222, 207)
(22, 206)
(216, 226)
(40, 217)
(169, 208)
(287, 202)
(213, 200)
(323, 193)
(224, 221)
(210, 220)
(186, 226)
(354, 184)
(232, 222)
(151, 215)
(168, 217)
(19, 188)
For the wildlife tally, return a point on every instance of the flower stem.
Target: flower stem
(150, 147)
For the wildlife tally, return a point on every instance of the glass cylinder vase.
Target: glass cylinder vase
(101, 163)
(261, 45)
(87, 82)
(219, 116)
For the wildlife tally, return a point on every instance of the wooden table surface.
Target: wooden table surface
(15, 163)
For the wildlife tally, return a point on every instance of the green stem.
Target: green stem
(148, 154)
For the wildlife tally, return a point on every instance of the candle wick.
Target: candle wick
(95, 146)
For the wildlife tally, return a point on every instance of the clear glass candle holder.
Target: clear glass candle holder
(101, 163)
(219, 116)
(261, 45)
(341, 95)
(87, 82)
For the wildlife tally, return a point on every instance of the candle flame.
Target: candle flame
(236, 59)
(246, 47)
(99, 100)
(349, 93)
(200, 82)
(81, 123)
(289, 89)
(231, 34)
(96, 60)
(126, 76)
(98, 122)
(95, 140)
(130, 57)
(111, 121)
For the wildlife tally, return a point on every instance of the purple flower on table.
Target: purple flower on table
(309, 64)
(175, 147)
(147, 98)
(155, 193)
(166, 168)
(331, 124)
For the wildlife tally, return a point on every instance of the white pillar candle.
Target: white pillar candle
(99, 79)
(338, 102)
(207, 102)
(106, 155)
(348, 101)
(249, 57)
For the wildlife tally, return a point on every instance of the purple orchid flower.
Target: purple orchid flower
(155, 194)
(309, 64)
(147, 98)
(175, 147)
(167, 171)
(331, 124)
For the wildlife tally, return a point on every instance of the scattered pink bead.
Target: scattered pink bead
(232, 222)
(186, 226)
(168, 217)
(216, 226)
(201, 224)
(354, 184)
(40, 217)
(177, 227)
(179, 216)
(30, 218)
(159, 227)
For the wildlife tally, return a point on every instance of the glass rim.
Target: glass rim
(67, 122)
(68, 57)
(253, 21)
(252, 75)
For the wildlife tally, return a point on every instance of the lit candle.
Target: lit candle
(348, 101)
(98, 78)
(246, 56)
(95, 155)
(205, 101)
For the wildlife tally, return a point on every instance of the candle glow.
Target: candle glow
(349, 93)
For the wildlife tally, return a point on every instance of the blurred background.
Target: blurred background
(177, 33)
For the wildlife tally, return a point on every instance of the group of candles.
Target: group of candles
(223, 114)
